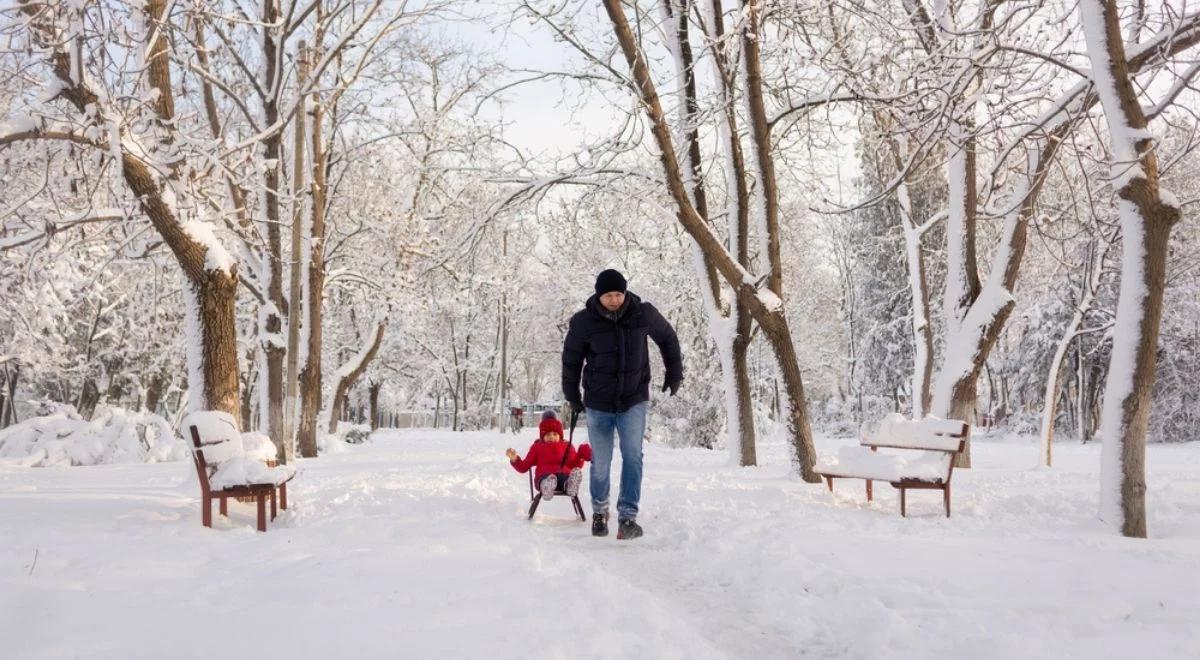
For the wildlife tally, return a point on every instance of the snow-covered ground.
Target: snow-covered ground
(416, 546)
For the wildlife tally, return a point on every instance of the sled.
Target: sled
(535, 496)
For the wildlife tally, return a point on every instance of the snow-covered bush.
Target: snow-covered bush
(347, 435)
(113, 435)
(356, 434)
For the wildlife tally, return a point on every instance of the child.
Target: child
(557, 461)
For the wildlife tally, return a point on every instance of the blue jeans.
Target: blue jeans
(630, 426)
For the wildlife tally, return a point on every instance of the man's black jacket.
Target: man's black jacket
(612, 354)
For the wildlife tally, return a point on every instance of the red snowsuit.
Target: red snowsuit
(548, 457)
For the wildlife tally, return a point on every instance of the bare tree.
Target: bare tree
(763, 302)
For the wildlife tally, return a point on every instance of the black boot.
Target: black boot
(600, 524)
(628, 529)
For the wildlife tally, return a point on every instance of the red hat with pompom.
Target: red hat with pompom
(549, 425)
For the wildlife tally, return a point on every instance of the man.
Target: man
(606, 344)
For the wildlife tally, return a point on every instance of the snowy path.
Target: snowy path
(416, 547)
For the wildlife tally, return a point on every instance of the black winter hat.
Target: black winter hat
(610, 280)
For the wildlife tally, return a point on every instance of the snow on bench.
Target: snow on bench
(231, 464)
(928, 463)
(862, 463)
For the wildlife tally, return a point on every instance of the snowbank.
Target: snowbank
(114, 435)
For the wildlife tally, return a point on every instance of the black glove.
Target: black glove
(672, 385)
(576, 406)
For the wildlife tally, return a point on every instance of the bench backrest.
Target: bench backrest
(198, 459)
(948, 436)
(215, 439)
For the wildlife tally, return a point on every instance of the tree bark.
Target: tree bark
(760, 130)
(10, 372)
(748, 451)
(1146, 221)
(215, 299)
(295, 285)
(310, 375)
(373, 393)
(270, 317)
(89, 397)
(775, 327)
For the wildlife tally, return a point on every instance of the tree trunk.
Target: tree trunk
(89, 396)
(748, 454)
(1128, 394)
(270, 316)
(9, 373)
(350, 373)
(373, 392)
(214, 301)
(295, 282)
(1146, 221)
(922, 328)
(1050, 400)
(247, 410)
(503, 332)
(310, 375)
(154, 393)
(799, 430)
(962, 407)
(767, 191)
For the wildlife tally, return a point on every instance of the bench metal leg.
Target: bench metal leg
(903, 514)
(261, 499)
(225, 506)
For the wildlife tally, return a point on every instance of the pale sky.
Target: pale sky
(549, 118)
(544, 117)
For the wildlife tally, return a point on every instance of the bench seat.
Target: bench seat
(864, 463)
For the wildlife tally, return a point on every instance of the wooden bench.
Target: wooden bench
(261, 492)
(931, 447)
